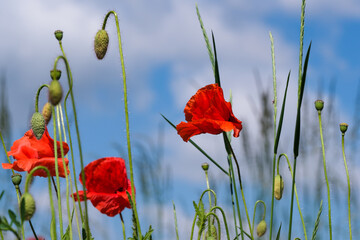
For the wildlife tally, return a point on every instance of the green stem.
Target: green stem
(272, 196)
(29, 176)
(296, 195)
(57, 175)
(224, 218)
(325, 173)
(348, 182)
(123, 225)
(263, 218)
(37, 96)
(70, 83)
(292, 198)
(126, 115)
(65, 169)
(176, 226)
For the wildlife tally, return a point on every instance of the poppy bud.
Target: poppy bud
(58, 34)
(101, 44)
(261, 228)
(27, 206)
(55, 74)
(55, 92)
(279, 187)
(205, 166)
(46, 112)
(319, 105)
(211, 235)
(38, 125)
(343, 127)
(16, 179)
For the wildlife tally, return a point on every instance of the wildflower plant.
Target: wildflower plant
(44, 151)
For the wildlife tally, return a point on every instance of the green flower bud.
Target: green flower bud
(38, 125)
(27, 206)
(205, 166)
(261, 228)
(55, 92)
(16, 179)
(58, 34)
(279, 187)
(343, 127)
(319, 105)
(101, 44)
(46, 112)
(55, 74)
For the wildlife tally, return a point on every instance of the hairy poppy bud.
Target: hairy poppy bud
(58, 34)
(101, 44)
(46, 112)
(319, 105)
(205, 166)
(55, 74)
(261, 228)
(343, 127)
(27, 206)
(279, 187)
(38, 125)
(55, 92)
(16, 179)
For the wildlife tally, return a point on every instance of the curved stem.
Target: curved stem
(224, 218)
(37, 96)
(263, 218)
(348, 182)
(123, 225)
(126, 115)
(296, 195)
(325, 173)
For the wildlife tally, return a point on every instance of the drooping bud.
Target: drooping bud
(27, 206)
(46, 112)
(38, 125)
(279, 187)
(58, 35)
(55, 92)
(205, 166)
(319, 105)
(261, 228)
(55, 74)
(101, 44)
(343, 127)
(16, 179)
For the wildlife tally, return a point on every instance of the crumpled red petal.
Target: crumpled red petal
(208, 112)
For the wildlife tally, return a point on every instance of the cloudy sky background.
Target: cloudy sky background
(166, 62)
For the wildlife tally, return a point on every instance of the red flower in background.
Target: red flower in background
(33, 238)
(106, 184)
(208, 112)
(30, 153)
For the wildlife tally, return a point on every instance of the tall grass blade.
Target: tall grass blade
(278, 233)
(216, 71)
(316, 226)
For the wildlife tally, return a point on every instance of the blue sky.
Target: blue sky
(166, 62)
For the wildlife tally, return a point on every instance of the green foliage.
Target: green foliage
(317, 222)
(8, 225)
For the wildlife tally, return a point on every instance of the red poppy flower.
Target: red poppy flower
(106, 184)
(32, 238)
(208, 112)
(30, 153)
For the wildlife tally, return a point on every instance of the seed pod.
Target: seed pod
(16, 179)
(279, 187)
(101, 44)
(46, 112)
(55, 92)
(343, 127)
(205, 166)
(58, 34)
(319, 105)
(55, 74)
(38, 125)
(27, 206)
(261, 228)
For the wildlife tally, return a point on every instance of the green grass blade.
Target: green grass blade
(281, 117)
(199, 148)
(216, 71)
(208, 46)
(316, 226)
(278, 233)
(302, 87)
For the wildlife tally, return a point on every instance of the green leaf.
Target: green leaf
(216, 71)
(281, 117)
(148, 234)
(278, 233)
(2, 194)
(12, 215)
(302, 87)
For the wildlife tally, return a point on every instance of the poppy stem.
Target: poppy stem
(123, 225)
(126, 115)
(263, 218)
(37, 96)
